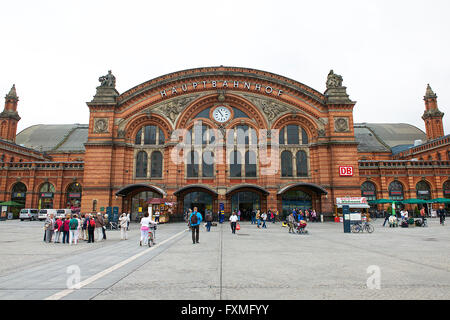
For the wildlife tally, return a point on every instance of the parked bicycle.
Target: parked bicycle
(112, 226)
(360, 227)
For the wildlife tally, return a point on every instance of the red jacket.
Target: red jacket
(66, 225)
(59, 223)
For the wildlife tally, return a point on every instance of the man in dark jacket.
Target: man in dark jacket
(386, 217)
(441, 214)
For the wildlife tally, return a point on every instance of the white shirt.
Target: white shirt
(234, 218)
(146, 221)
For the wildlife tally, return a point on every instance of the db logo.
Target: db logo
(346, 171)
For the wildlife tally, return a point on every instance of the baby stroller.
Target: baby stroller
(301, 227)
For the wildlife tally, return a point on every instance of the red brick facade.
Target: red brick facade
(260, 101)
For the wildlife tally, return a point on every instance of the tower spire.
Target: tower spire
(432, 115)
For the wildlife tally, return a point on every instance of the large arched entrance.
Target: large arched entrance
(300, 196)
(18, 194)
(202, 197)
(247, 198)
(137, 198)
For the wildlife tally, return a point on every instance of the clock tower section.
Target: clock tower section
(97, 190)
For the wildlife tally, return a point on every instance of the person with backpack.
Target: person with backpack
(208, 220)
(73, 230)
(91, 228)
(195, 218)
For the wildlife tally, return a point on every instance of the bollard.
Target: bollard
(321, 218)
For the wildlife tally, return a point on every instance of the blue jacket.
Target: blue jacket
(199, 219)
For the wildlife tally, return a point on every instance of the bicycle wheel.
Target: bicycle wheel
(355, 228)
(369, 228)
(150, 239)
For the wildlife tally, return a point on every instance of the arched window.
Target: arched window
(46, 193)
(141, 164)
(286, 164)
(395, 190)
(446, 188)
(156, 164)
(235, 164)
(293, 134)
(423, 190)
(19, 194)
(208, 164)
(369, 191)
(73, 195)
(250, 164)
(192, 164)
(302, 164)
(242, 135)
(150, 135)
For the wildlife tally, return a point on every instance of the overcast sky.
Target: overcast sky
(386, 51)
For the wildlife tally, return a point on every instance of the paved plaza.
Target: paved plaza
(254, 264)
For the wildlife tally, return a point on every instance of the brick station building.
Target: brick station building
(220, 136)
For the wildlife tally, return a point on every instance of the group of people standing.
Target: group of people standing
(74, 228)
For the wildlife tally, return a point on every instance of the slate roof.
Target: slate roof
(387, 137)
(372, 137)
(54, 137)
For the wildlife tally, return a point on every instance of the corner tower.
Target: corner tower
(432, 116)
(9, 117)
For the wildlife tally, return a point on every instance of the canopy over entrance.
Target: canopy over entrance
(132, 187)
(318, 189)
(194, 186)
(248, 186)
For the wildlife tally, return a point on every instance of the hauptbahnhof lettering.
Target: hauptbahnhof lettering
(249, 139)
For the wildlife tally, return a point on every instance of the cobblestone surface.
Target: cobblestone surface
(413, 263)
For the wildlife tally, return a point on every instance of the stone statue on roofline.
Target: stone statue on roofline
(108, 81)
(334, 80)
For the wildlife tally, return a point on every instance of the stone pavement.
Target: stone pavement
(254, 264)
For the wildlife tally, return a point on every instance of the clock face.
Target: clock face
(221, 114)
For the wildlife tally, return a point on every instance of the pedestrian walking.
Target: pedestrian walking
(258, 219)
(291, 221)
(81, 227)
(195, 219)
(386, 217)
(99, 224)
(49, 227)
(233, 220)
(91, 228)
(58, 229)
(123, 224)
(157, 214)
(73, 226)
(239, 215)
(145, 227)
(66, 229)
(208, 219)
(441, 213)
(272, 217)
(264, 218)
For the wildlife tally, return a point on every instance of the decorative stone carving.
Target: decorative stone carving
(321, 132)
(336, 93)
(173, 108)
(121, 134)
(341, 124)
(100, 125)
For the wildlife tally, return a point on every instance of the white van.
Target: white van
(31, 214)
(62, 213)
(43, 213)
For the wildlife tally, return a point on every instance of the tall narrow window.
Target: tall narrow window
(138, 137)
(302, 164)
(250, 164)
(304, 137)
(286, 164)
(141, 164)
(192, 164)
(235, 164)
(292, 134)
(281, 137)
(208, 164)
(150, 135)
(156, 164)
(161, 139)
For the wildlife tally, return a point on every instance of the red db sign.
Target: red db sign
(346, 171)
